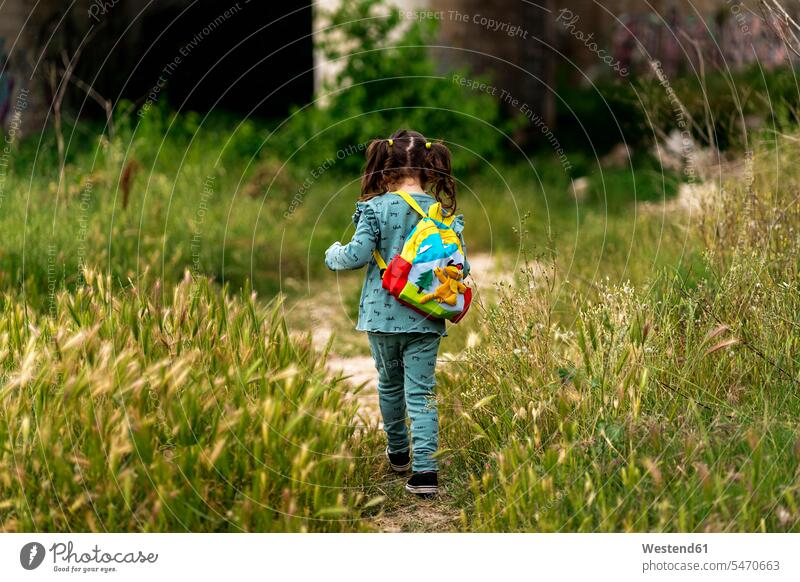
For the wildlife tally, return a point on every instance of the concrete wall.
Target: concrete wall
(525, 41)
(673, 32)
(506, 40)
(522, 66)
(21, 98)
(324, 70)
(27, 28)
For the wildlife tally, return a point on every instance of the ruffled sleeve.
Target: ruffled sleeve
(358, 251)
(365, 212)
(357, 214)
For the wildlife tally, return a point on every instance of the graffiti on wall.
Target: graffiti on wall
(678, 42)
(6, 84)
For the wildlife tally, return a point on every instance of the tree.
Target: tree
(425, 280)
(388, 80)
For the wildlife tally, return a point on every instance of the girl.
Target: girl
(403, 343)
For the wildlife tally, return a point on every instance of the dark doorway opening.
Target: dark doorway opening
(248, 57)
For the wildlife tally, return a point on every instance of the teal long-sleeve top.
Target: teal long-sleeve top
(384, 222)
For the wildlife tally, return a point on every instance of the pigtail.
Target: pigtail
(379, 153)
(408, 153)
(438, 175)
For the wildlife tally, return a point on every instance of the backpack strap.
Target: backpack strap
(435, 212)
(376, 254)
(411, 202)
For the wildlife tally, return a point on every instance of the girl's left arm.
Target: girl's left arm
(358, 251)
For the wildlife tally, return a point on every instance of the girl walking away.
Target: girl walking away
(407, 213)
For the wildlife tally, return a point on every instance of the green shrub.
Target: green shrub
(386, 84)
(722, 109)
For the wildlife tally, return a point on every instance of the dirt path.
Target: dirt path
(349, 359)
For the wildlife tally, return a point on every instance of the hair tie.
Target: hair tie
(427, 145)
(391, 142)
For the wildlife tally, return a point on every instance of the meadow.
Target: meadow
(644, 358)
(670, 405)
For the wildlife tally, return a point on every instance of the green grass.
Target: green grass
(670, 406)
(176, 410)
(210, 195)
(644, 368)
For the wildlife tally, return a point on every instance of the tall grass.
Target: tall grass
(171, 410)
(663, 397)
(670, 406)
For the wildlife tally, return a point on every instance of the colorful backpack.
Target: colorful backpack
(427, 275)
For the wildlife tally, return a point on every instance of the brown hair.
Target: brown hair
(408, 154)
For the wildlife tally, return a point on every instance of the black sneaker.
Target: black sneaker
(399, 462)
(424, 483)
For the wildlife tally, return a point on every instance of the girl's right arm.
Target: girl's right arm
(358, 251)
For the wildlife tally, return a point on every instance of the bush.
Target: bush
(722, 109)
(384, 85)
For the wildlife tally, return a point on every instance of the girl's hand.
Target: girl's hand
(331, 253)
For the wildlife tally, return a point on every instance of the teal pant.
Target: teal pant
(406, 364)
